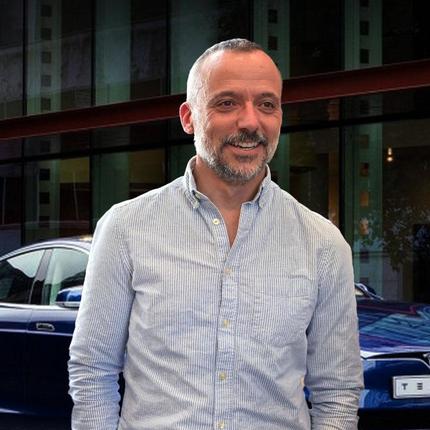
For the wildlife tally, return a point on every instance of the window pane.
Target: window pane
(387, 214)
(148, 49)
(306, 164)
(10, 148)
(179, 155)
(11, 64)
(406, 33)
(215, 21)
(148, 134)
(66, 269)
(57, 143)
(17, 275)
(307, 37)
(10, 207)
(124, 175)
(131, 42)
(57, 198)
(58, 55)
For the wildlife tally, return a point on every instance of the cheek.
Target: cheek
(273, 131)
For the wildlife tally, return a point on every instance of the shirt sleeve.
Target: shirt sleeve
(334, 369)
(97, 349)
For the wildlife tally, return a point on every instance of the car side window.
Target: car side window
(66, 269)
(17, 276)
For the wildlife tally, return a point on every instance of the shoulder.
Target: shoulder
(297, 214)
(309, 227)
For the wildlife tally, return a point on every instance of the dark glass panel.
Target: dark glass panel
(216, 20)
(10, 148)
(57, 198)
(406, 32)
(17, 275)
(10, 207)
(58, 55)
(306, 164)
(123, 175)
(147, 134)
(54, 144)
(76, 54)
(315, 31)
(148, 49)
(387, 206)
(11, 58)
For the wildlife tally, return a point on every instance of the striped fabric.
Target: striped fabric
(211, 336)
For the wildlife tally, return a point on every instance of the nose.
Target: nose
(248, 118)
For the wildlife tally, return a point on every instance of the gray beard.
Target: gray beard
(223, 170)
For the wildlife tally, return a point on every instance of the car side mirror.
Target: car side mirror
(69, 297)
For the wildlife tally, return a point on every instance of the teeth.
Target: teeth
(246, 145)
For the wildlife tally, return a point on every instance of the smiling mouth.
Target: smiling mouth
(245, 145)
(245, 140)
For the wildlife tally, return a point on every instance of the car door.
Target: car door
(50, 332)
(18, 274)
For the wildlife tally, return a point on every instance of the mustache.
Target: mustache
(245, 136)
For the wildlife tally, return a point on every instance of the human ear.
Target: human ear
(185, 115)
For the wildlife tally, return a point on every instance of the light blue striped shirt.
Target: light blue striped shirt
(211, 336)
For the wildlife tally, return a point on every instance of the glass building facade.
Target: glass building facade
(361, 160)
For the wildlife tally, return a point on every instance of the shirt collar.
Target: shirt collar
(194, 196)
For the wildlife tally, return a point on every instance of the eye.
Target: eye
(268, 106)
(226, 104)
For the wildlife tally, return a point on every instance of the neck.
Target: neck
(223, 194)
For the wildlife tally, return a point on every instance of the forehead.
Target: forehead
(253, 70)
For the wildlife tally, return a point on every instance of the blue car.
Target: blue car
(40, 290)
(395, 352)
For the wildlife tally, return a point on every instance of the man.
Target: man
(219, 296)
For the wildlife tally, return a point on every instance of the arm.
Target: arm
(334, 370)
(98, 345)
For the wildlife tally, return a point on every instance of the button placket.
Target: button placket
(225, 356)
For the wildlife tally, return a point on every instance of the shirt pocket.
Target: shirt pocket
(282, 311)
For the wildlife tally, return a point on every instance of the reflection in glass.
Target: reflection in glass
(54, 144)
(179, 155)
(125, 175)
(215, 21)
(66, 270)
(130, 50)
(389, 230)
(10, 149)
(16, 277)
(10, 207)
(57, 198)
(308, 165)
(11, 63)
(58, 55)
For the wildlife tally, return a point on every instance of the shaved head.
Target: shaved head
(195, 82)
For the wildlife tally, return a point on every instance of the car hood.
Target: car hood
(393, 327)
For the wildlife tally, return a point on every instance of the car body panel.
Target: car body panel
(13, 325)
(394, 342)
(49, 335)
(33, 364)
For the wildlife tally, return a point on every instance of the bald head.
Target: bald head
(196, 78)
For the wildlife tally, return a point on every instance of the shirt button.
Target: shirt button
(216, 221)
(222, 376)
(221, 424)
(228, 271)
(226, 323)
